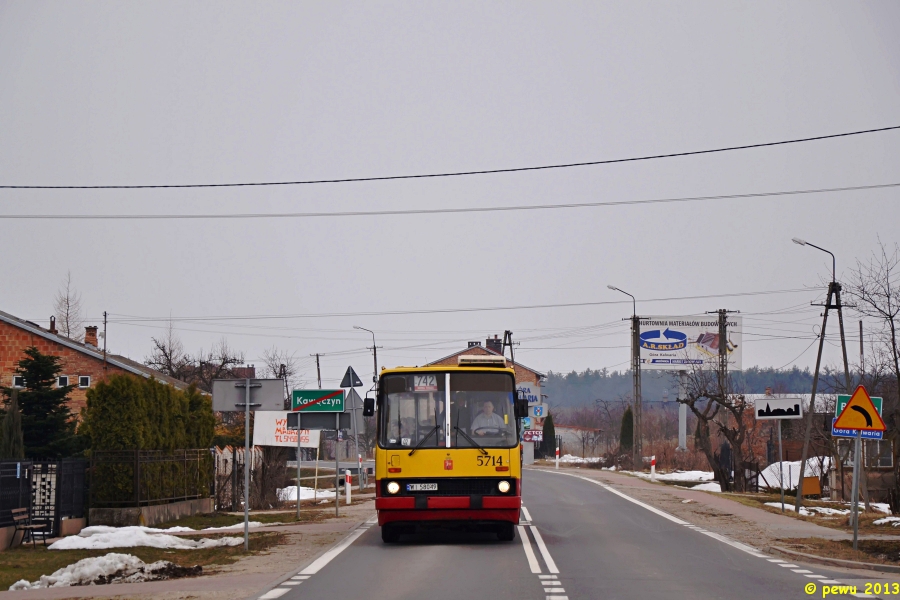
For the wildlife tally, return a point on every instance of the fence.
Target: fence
(229, 479)
(147, 477)
(15, 488)
(59, 491)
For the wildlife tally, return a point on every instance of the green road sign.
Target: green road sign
(317, 401)
(843, 399)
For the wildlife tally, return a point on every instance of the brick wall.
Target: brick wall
(14, 341)
(523, 375)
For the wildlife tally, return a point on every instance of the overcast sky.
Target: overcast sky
(172, 93)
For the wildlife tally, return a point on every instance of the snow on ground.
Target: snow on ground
(569, 458)
(894, 521)
(111, 568)
(95, 529)
(712, 486)
(102, 538)
(306, 493)
(809, 511)
(881, 507)
(679, 475)
(769, 477)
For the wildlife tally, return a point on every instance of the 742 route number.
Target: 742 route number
(489, 461)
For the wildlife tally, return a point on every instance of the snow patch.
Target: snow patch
(102, 538)
(894, 521)
(811, 511)
(770, 478)
(569, 458)
(306, 493)
(708, 487)
(679, 475)
(111, 568)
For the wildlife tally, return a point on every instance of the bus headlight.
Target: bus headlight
(393, 487)
(503, 486)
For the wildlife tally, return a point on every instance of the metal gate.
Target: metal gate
(58, 491)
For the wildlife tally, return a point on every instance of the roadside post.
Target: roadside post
(299, 428)
(858, 416)
(557, 453)
(653, 468)
(348, 479)
(770, 408)
(351, 380)
(233, 395)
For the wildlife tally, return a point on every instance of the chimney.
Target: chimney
(53, 325)
(90, 335)
(494, 344)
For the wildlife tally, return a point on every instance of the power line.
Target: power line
(449, 310)
(439, 211)
(455, 173)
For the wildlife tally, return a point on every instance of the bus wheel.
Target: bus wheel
(506, 533)
(390, 534)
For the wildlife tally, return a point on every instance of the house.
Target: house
(83, 363)
(493, 347)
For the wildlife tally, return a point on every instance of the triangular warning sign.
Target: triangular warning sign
(860, 413)
(351, 379)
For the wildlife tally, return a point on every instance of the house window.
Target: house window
(62, 381)
(84, 381)
(18, 381)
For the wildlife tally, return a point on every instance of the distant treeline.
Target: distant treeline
(581, 389)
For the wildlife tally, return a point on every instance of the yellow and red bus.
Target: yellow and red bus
(448, 451)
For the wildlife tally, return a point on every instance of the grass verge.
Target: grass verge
(840, 522)
(883, 552)
(30, 563)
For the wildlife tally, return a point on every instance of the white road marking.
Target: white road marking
(303, 577)
(801, 571)
(326, 558)
(526, 513)
(276, 593)
(775, 560)
(816, 576)
(557, 598)
(789, 566)
(548, 560)
(831, 581)
(290, 583)
(529, 552)
(547, 577)
(557, 590)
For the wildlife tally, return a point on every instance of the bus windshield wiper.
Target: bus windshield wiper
(424, 439)
(471, 441)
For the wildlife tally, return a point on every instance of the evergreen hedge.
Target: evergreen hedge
(127, 416)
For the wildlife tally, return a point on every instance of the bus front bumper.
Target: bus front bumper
(448, 508)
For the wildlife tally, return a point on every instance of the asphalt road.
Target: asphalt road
(581, 540)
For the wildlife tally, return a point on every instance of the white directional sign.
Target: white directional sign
(778, 408)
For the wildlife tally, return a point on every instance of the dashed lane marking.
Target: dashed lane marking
(526, 513)
(276, 593)
(548, 560)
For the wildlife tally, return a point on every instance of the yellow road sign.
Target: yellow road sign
(860, 413)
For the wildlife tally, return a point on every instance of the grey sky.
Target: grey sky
(115, 93)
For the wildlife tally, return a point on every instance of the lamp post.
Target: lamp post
(834, 291)
(375, 381)
(637, 456)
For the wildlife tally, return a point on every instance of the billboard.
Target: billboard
(686, 343)
(270, 429)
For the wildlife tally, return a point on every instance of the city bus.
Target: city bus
(447, 451)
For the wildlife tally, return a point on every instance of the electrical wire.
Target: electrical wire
(455, 173)
(438, 211)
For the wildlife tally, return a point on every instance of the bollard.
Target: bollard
(557, 456)
(347, 479)
(653, 468)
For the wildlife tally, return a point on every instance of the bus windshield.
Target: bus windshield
(481, 410)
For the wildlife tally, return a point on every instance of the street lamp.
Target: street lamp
(637, 456)
(374, 352)
(834, 291)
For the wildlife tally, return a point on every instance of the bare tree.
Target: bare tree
(168, 356)
(216, 363)
(69, 311)
(281, 363)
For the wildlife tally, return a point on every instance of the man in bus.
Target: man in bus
(487, 421)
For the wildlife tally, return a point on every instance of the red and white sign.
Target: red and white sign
(270, 429)
(533, 435)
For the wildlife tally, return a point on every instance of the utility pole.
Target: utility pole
(862, 356)
(834, 292)
(104, 340)
(318, 371)
(637, 455)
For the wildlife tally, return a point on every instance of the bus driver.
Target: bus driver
(487, 421)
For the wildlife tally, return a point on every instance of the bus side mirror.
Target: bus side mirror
(369, 407)
(521, 407)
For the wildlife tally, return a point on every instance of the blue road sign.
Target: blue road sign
(851, 433)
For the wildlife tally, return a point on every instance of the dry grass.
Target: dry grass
(840, 522)
(884, 552)
(30, 563)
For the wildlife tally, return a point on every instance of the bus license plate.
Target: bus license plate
(421, 487)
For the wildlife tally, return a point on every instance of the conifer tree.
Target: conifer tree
(549, 444)
(11, 445)
(626, 433)
(48, 429)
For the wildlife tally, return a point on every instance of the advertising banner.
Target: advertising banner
(686, 343)
(270, 429)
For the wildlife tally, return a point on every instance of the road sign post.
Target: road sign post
(770, 408)
(860, 414)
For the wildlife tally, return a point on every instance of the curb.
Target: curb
(833, 562)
